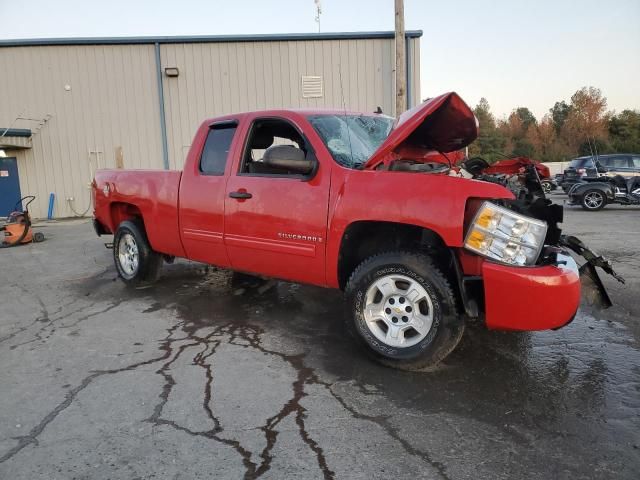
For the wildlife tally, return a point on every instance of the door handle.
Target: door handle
(240, 195)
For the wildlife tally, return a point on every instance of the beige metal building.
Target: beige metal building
(74, 105)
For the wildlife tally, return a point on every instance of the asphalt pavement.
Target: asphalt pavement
(207, 375)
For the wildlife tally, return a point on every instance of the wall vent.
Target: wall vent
(311, 86)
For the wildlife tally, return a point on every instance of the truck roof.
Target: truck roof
(298, 111)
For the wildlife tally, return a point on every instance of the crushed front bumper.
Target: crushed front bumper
(531, 298)
(547, 296)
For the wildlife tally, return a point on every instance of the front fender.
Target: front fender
(434, 202)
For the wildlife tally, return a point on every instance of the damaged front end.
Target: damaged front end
(430, 139)
(531, 201)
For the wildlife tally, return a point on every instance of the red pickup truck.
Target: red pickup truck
(352, 201)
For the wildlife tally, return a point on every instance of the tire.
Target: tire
(136, 263)
(546, 187)
(593, 200)
(426, 328)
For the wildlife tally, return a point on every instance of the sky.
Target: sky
(512, 52)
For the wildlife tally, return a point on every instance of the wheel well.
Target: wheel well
(121, 211)
(363, 239)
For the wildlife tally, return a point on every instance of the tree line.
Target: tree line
(583, 126)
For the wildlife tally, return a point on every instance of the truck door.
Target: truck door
(202, 195)
(276, 220)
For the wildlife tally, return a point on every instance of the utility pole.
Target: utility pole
(401, 75)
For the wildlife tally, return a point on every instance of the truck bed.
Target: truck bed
(153, 192)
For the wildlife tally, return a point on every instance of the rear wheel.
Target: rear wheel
(593, 200)
(403, 310)
(135, 261)
(546, 187)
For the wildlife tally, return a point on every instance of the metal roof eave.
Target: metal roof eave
(15, 143)
(205, 38)
(15, 138)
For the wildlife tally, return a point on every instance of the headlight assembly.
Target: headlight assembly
(506, 236)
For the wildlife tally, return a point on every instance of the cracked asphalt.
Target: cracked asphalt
(206, 375)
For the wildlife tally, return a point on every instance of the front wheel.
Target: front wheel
(546, 187)
(402, 309)
(135, 261)
(593, 200)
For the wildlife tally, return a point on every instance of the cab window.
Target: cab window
(265, 134)
(216, 149)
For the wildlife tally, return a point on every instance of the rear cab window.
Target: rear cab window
(215, 153)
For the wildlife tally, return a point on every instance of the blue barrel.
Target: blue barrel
(52, 197)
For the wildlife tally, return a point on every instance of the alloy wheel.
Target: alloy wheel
(128, 255)
(593, 200)
(398, 311)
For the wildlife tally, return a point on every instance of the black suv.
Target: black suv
(627, 165)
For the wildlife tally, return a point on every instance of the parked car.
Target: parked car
(596, 194)
(591, 167)
(346, 200)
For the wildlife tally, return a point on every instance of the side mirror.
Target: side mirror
(288, 157)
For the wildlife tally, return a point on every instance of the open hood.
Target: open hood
(443, 123)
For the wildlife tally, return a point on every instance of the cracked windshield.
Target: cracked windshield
(352, 139)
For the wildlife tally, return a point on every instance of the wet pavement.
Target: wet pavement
(206, 376)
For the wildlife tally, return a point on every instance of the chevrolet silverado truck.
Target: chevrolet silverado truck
(354, 201)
